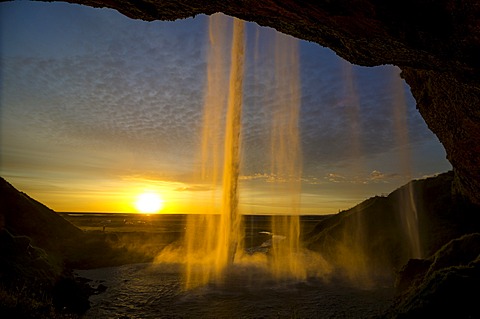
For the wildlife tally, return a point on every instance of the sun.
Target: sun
(149, 203)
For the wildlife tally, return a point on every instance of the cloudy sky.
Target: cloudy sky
(97, 108)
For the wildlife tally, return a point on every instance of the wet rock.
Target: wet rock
(71, 296)
(459, 252)
(447, 288)
(413, 272)
(100, 289)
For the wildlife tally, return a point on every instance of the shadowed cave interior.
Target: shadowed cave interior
(437, 57)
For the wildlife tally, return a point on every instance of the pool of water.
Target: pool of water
(156, 291)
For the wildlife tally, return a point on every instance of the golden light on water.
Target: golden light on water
(149, 203)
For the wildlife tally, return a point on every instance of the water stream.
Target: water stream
(407, 204)
(214, 241)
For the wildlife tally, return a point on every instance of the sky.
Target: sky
(97, 108)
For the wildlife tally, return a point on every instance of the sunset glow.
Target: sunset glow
(89, 121)
(149, 203)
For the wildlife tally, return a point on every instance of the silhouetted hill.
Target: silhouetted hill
(371, 239)
(21, 215)
(38, 248)
(34, 282)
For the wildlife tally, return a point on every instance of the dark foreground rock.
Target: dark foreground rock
(34, 284)
(444, 286)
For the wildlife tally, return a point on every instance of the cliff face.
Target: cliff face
(436, 43)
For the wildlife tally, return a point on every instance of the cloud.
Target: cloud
(119, 96)
(136, 89)
(256, 176)
(142, 87)
(373, 177)
(335, 178)
(376, 175)
(194, 188)
(334, 124)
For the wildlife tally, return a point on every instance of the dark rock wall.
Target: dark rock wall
(435, 42)
(374, 231)
(451, 110)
